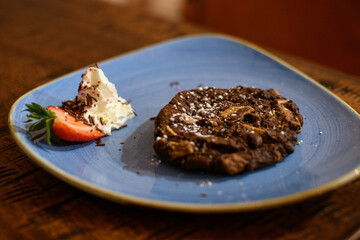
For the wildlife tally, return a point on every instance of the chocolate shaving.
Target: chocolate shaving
(99, 142)
(133, 109)
(101, 121)
(91, 120)
(74, 108)
(88, 100)
(93, 98)
(122, 126)
(127, 102)
(122, 142)
(79, 88)
(152, 118)
(71, 113)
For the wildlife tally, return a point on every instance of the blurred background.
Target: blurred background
(323, 31)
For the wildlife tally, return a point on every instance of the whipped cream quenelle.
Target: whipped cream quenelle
(105, 109)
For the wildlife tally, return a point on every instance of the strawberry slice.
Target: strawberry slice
(65, 127)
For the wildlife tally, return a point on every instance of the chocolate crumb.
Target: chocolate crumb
(203, 194)
(134, 137)
(120, 149)
(137, 172)
(174, 83)
(122, 142)
(127, 102)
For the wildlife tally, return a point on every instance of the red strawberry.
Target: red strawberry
(65, 127)
(59, 124)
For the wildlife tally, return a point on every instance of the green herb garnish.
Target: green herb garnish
(44, 119)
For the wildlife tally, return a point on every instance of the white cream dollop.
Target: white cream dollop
(106, 108)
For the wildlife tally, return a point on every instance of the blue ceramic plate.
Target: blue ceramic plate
(327, 157)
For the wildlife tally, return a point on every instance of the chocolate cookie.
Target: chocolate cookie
(227, 130)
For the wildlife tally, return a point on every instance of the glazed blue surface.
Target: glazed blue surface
(330, 133)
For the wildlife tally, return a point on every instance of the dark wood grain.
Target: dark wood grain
(42, 40)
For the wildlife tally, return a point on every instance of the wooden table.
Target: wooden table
(41, 40)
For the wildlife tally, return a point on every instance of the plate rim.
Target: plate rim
(181, 206)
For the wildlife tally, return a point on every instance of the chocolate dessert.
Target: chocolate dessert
(227, 130)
